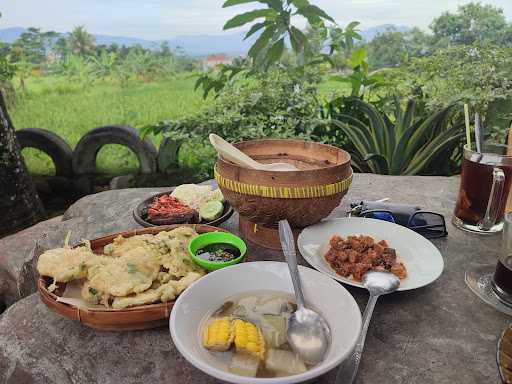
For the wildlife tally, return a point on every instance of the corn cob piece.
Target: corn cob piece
(219, 334)
(249, 339)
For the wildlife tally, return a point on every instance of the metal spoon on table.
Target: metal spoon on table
(378, 283)
(308, 333)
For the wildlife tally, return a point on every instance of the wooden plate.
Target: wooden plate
(129, 319)
(138, 212)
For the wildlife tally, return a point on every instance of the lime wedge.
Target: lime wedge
(211, 210)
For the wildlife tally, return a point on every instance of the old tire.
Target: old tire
(51, 144)
(84, 156)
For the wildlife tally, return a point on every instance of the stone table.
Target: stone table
(437, 334)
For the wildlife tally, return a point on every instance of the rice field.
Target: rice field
(69, 110)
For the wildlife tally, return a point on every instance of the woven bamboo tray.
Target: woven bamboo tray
(504, 355)
(129, 319)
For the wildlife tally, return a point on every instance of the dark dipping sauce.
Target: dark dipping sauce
(219, 252)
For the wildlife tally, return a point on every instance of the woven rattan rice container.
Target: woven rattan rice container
(303, 197)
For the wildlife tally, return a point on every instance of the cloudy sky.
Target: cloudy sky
(159, 19)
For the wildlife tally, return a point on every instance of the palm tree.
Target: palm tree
(81, 42)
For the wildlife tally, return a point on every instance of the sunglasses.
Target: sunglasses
(428, 224)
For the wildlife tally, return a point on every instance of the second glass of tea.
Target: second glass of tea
(493, 284)
(484, 188)
(502, 279)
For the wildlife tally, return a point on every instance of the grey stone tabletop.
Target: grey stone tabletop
(438, 334)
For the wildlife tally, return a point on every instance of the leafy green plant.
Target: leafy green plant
(402, 144)
(24, 70)
(7, 69)
(77, 68)
(275, 27)
(362, 82)
(344, 40)
(146, 65)
(105, 64)
(225, 74)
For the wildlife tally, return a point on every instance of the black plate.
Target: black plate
(139, 209)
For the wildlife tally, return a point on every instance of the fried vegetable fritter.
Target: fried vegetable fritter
(146, 297)
(173, 249)
(174, 287)
(164, 293)
(94, 296)
(133, 272)
(122, 244)
(66, 264)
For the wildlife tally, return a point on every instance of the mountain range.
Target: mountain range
(193, 45)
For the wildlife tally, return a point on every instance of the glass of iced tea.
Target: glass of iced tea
(484, 188)
(502, 279)
(493, 283)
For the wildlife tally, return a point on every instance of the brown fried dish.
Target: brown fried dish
(356, 255)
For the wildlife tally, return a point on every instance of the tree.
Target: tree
(60, 47)
(392, 48)
(387, 49)
(165, 50)
(24, 70)
(19, 202)
(81, 42)
(471, 23)
(5, 49)
(32, 46)
(113, 48)
(480, 76)
(507, 36)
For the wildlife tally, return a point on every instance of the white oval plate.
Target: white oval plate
(331, 299)
(422, 259)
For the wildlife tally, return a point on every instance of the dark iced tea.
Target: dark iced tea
(475, 188)
(503, 276)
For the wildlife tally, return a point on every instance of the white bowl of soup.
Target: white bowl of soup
(213, 323)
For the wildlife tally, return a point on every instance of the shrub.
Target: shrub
(480, 76)
(276, 104)
(401, 144)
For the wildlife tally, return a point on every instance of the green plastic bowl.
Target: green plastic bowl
(215, 238)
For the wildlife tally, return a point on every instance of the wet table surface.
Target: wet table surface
(438, 334)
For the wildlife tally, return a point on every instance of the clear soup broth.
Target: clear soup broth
(246, 335)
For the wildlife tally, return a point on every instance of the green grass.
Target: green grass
(70, 111)
(330, 89)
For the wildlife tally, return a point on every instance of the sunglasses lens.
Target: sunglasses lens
(386, 216)
(428, 224)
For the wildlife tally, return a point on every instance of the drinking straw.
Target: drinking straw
(478, 133)
(509, 142)
(508, 208)
(468, 127)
